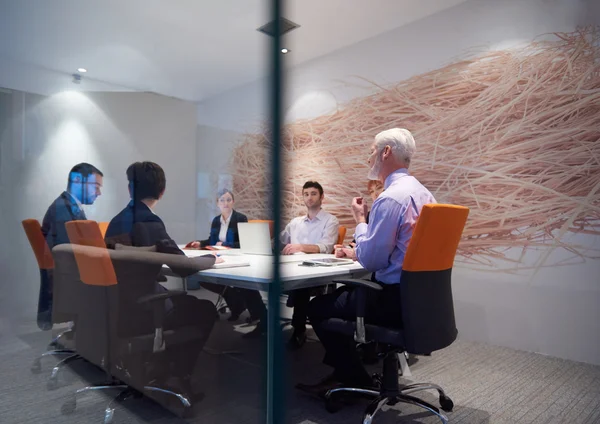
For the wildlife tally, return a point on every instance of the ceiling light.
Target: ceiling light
(82, 70)
(284, 50)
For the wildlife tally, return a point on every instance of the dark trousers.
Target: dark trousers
(189, 311)
(299, 300)
(382, 308)
(238, 299)
(44, 315)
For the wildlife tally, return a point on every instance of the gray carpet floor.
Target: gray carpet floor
(488, 385)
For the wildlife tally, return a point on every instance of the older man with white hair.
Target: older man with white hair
(380, 248)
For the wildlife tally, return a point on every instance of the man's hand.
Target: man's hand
(359, 210)
(290, 249)
(344, 252)
(194, 244)
(339, 246)
(219, 243)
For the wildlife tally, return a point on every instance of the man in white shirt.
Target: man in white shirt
(315, 232)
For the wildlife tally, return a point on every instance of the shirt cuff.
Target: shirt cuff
(322, 248)
(361, 229)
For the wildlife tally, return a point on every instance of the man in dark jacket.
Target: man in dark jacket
(138, 225)
(83, 188)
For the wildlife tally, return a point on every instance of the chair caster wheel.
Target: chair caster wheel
(36, 368)
(109, 415)
(332, 405)
(68, 407)
(446, 403)
(52, 384)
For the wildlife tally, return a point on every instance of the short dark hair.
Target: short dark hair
(146, 179)
(85, 169)
(313, 184)
(223, 192)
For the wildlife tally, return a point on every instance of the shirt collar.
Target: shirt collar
(226, 222)
(395, 176)
(77, 202)
(319, 215)
(133, 203)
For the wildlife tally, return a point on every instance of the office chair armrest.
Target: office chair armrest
(156, 297)
(356, 282)
(361, 287)
(156, 302)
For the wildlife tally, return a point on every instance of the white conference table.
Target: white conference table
(258, 275)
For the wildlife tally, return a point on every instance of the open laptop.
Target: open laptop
(255, 239)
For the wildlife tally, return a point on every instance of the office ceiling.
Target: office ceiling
(189, 49)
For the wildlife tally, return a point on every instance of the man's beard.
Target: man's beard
(375, 170)
(315, 206)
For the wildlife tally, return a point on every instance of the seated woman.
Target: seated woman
(224, 232)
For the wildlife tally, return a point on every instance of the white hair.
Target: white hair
(400, 140)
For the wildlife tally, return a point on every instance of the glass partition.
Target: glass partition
(128, 187)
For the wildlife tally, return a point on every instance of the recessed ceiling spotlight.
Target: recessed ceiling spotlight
(82, 70)
(284, 50)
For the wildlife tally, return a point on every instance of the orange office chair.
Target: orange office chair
(42, 253)
(103, 227)
(426, 308)
(342, 235)
(86, 233)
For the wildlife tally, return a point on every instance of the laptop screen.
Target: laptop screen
(255, 238)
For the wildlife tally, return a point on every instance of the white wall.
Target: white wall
(553, 311)
(43, 137)
(214, 146)
(475, 26)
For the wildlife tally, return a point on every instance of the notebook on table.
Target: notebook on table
(327, 262)
(231, 262)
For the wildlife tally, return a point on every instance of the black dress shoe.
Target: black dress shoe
(297, 340)
(259, 331)
(319, 389)
(234, 316)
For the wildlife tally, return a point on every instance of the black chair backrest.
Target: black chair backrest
(426, 289)
(89, 301)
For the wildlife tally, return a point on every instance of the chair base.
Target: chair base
(333, 405)
(126, 392)
(55, 347)
(391, 393)
(71, 404)
(67, 334)
(53, 380)
(36, 367)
